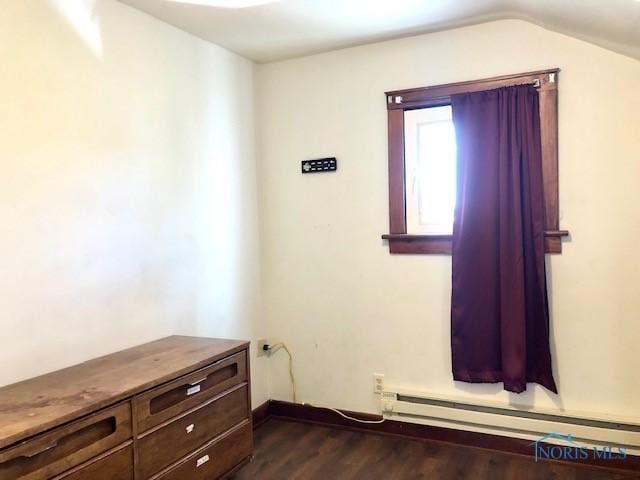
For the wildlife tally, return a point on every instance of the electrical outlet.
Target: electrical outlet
(261, 352)
(378, 383)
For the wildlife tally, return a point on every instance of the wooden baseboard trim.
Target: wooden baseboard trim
(261, 414)
(319, 416)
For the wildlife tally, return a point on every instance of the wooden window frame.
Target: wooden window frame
(399, 101)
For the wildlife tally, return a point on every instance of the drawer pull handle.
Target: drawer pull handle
(42, 450)
(195, 386)
(202, 460)
(190, 428)
(193, 390)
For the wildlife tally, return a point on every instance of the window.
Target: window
(430, 170)
(422, 154)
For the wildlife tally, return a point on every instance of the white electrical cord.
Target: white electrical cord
(281, 346)
(343, 415)
(273, 349)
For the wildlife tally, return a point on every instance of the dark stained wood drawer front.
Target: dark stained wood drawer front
(160, 448)
(115, 466)
(65, 447)
(167, 401)
(216, 459)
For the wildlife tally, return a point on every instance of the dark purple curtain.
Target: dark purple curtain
(499, 310)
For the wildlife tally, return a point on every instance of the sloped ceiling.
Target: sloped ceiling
(291, 28)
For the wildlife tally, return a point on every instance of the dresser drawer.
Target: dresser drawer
(169, 400)
(160, 448)
(115, 466)
(65, 447)
(216, 459)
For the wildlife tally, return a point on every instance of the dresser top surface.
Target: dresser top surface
(41, 403)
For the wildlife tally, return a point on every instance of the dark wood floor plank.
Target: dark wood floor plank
(286, 450)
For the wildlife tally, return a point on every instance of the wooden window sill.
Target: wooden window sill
(441, 244)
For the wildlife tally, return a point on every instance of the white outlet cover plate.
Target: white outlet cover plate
(378, 382)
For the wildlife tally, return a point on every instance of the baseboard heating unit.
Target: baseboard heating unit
(508, 420)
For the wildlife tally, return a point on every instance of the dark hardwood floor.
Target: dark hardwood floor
(290, 450)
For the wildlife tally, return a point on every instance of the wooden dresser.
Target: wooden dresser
(174, 409)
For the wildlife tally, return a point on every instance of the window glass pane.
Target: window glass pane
(430, 169)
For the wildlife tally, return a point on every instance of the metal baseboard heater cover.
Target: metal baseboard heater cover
(507, 419)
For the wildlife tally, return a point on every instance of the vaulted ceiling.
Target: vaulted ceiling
(290, 28)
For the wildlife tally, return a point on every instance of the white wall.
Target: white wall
(129, 207)
(347, 308)
(127, 186)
